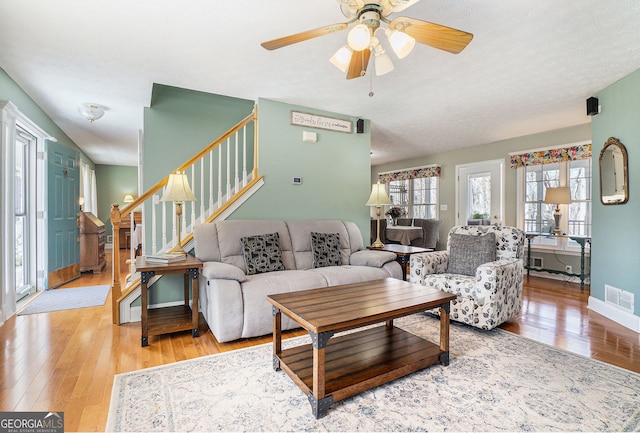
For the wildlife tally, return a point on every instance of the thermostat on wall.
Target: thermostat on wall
(297, 180)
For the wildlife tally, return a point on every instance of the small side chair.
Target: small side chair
(483, 266)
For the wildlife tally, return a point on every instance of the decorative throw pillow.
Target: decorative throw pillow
(262, 253)
(467, 252)
(326, 249)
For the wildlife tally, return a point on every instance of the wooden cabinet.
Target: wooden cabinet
(126, 229)
(91, 243)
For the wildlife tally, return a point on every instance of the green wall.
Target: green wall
(334, 170)
(616, 235)
(113, 183)
(180, 122)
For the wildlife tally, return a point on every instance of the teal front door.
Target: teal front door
(63, 189)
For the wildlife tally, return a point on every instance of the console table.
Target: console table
(581, 240)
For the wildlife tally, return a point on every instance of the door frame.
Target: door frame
(481, 166)
(10, 118)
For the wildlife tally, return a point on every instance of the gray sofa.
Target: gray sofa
(430, 231)
(234, 303)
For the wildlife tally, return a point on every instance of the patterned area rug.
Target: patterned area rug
(67, 299)
(496, 381)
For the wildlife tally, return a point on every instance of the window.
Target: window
(415, 190)
(539, 170)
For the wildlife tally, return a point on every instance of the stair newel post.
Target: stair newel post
(116, 289)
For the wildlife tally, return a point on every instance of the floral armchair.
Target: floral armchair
(483, 266)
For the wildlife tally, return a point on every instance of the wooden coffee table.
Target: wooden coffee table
(329, 370)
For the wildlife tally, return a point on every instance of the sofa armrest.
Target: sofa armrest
(495, 278)
(222, 271)
(375, 259)
(422, 264)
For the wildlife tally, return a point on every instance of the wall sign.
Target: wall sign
(321, 122)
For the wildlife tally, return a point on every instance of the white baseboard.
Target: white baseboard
(624, 318)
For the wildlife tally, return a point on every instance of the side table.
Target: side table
(403, 254)
(169, 319)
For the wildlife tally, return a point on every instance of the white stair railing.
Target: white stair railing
(234, 152)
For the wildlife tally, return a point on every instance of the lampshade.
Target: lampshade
(128, 198)
(359, 37)
(560, 195)
(91, 111)
(178, 189)
(401, 43)
(383, 62)
(342, 58)
(81, 201)
(378, 196)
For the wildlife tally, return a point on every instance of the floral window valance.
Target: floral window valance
(571, 153)
(410, 173)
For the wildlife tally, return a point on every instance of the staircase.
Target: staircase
(222, 176)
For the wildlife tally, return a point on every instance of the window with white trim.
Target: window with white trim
(415, 190)
(561, 167)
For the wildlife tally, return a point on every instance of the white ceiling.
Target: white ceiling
(529, 68)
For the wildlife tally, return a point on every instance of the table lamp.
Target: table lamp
(378, 199)
(557, 196)
(128, 198)
(178, 191)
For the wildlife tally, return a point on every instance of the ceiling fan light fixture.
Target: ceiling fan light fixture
(91, 111)
(383, 62)
(342, 58)
(359, 37)
(401, 43)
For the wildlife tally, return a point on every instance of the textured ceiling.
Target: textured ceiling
(529, 68)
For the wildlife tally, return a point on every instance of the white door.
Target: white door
(480, 193)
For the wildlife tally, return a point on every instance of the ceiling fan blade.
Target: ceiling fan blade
(358, 64)
(303, 36)
(435, 35)
(394, 6)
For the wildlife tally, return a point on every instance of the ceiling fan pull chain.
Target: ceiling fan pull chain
(371, 85)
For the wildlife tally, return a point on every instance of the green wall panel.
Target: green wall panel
(616, 236)
(113, 183)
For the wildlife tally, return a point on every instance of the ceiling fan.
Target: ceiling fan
(401, 32)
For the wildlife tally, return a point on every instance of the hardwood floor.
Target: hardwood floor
(65, 361)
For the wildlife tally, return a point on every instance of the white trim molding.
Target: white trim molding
(622, 317)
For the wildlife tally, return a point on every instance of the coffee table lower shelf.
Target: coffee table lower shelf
(361, 360)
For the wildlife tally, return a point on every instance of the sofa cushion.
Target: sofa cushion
(301, 240)
(467, 252)
(262, 253)
(326, 249)
(371, 258)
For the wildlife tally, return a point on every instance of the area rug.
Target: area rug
(496, 381)
(67, 299)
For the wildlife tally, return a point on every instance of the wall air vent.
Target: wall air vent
(619, 298)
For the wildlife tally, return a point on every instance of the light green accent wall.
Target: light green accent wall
(181, 122)
(334, 170)
(113, 183)
(11, 91)
(616, 237)
(487, 152)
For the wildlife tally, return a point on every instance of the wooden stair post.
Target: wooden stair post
(116, 289)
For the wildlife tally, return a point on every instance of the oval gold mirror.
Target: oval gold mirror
(614, 184)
